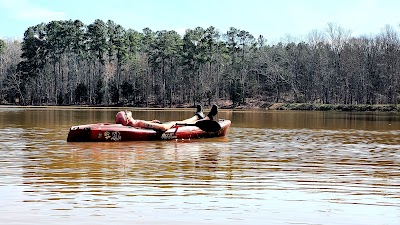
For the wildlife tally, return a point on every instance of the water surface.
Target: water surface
(274, 167)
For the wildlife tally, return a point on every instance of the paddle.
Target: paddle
(206, 125)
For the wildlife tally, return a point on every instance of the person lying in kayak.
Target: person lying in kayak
(125, 118)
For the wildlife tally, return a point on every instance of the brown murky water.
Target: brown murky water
(274, 167)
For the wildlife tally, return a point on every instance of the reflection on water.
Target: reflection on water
(272, 168)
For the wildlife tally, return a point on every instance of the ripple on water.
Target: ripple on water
(349, 162)
(285, 174)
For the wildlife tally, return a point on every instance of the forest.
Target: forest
(70, 63)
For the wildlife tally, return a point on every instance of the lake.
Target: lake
(273, 167)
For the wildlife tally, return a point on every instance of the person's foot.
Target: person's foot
(199, 112)
(213, 112)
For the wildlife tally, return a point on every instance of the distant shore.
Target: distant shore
(334, 107)
(260, 106)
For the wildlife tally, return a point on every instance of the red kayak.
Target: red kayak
(118, 132)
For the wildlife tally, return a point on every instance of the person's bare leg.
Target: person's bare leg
(165, 126)
(190, 120)
(200, 116)
(144, 124)
(154, 126)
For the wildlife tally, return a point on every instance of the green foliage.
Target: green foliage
(99, 92)
(96, 38)
(235, 94)
(127, 90)
(33, 51)
(81, 93)
(60, 99)
(205, 65)
(114, 92)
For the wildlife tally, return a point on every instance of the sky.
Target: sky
(275, 20)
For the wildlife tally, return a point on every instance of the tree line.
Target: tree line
(68, 62)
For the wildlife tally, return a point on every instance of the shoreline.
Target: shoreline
(337, 107)
(272, 106)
